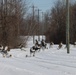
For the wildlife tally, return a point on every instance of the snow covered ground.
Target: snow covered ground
(46, 62)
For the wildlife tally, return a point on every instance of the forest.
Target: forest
(16, 21)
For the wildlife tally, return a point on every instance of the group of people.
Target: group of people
(37, 46)
(42, 44)
(4, 50)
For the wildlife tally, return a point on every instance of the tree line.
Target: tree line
(11, 17)
(15, 21)
(57, 22)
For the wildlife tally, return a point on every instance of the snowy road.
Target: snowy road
(48, 62)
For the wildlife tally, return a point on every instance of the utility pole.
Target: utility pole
(67, 26)
(39, 24)
(33, 23)
(42, 26)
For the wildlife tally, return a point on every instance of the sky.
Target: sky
(43, 5)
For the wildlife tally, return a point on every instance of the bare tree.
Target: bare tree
(57, 30)
(11, 17)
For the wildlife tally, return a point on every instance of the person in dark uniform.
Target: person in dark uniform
(36, 43)
(43, 43)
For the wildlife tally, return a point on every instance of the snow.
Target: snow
(51, 61)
